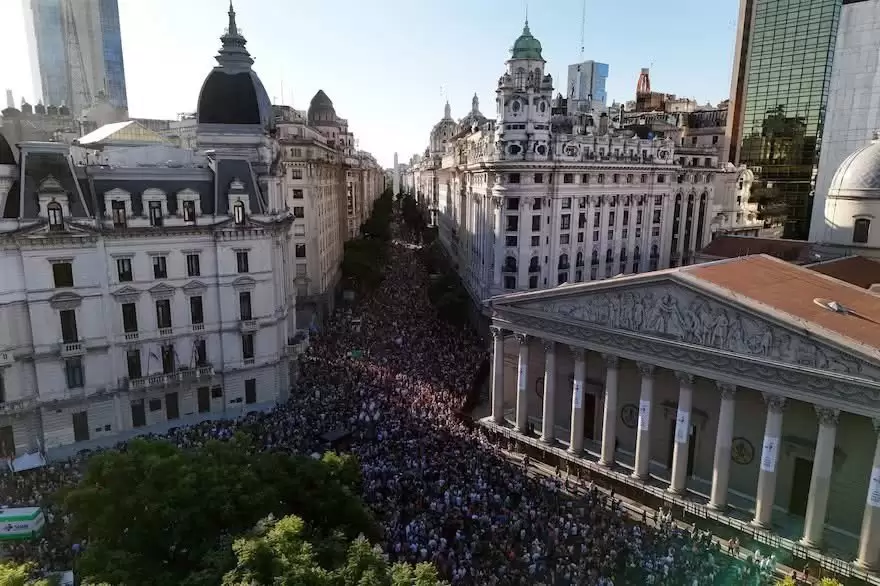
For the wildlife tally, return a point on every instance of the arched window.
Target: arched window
(637, 253)
(563, 261)
(238, 212)
(655, 252)
(56, 216)
(534, 265)
(623, 255)
(609, 255)
(861, 228)
(579, 261)
(595, 257)
(510, 264)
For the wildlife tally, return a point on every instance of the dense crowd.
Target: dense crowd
(441, 489)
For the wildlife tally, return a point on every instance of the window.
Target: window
(582, 220)
(123, 270)
(610, 234)
(566, 221)
(536, 241)
(512, 203)
(638, 216)
(129, 318)
(600, 178)
(196, 312)
(861, 228)
(595, 236)
(200, 352)
(609, 255)
(250, 391)
(512, 223)
(656, 218)
(117, 211)
(594, 258)
(296, 174)
(625, 217)
(533, 282)
(566, 203)
(585, 178)
(629, 177)
(247, 346)
(597, 218)
(658, 200)
(189, 211)
(564, 238)
(513, 178)
(536, 223)
(63, 274)
(299, 212)
(160, 268)
(155, 213)
(643, 178)
(509, 282)
(611, 218)
(56, 216)
(2, 388)
(68, 326)
(163, 313)
(168, 358)
(661, 178)
(155, 404)
(615, 178)
(655, 231)
(536, 205)
(297, 194)
(238, 212)
(715, 139)
(300, 250)
(580, 236)
(216, 392)
(73, 373)
(241, 261)
(192, 265)
(568, 178)
(562, 278)
(539, 178)
(244, 305)
(133, 361)
(510, 241)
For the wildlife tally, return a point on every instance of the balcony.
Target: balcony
(6, 358)
(18, 406)
(198, 327)
(70, 349)
(166, 332)
(249, 325)
(248, 361)
(132, 336)
(168, 379)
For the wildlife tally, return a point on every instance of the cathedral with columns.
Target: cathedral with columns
(747, 388)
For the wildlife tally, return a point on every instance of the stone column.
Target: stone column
(522, 382)
(497, 375)
(643, 439)
(817, 503)
(869, 542)
(549, 417)
(609, 415)
(766, 493)
(117, 413)
(723, 441)
(499, 238)
(678, 480)
(576, 443)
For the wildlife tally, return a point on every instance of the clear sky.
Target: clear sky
(384, 62)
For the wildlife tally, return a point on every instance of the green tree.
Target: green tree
(279, 553)
(13, 574)
(174, 512)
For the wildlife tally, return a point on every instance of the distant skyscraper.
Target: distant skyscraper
(76, 51)
(586, 81)
(781, 71)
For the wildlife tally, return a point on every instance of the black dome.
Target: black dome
(6, 155)
(321, 110)
(234, 98)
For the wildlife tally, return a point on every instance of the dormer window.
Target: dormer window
(56, 216)
(189, 211)
(155, 213)
(238, 212)
(118, 212)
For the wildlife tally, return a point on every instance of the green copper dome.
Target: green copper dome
(526, 46)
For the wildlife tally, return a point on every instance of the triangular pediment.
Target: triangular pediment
(194, 287)
(127, 291)
(244, 282)
(161, 290)
(65, 300)
(661, 307)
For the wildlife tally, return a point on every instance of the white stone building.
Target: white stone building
(149, 285)
(536, 198)
(744, 390)
(732, 212)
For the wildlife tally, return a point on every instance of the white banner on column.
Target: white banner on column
(644, 415)
(682, 426)
(522, 379)
(578, 394)
(874, 489)
(768, 454)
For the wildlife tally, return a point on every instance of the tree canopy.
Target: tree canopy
(13, 574)
(364, 257)
(158, 514)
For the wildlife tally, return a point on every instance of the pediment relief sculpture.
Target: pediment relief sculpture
(680, 314)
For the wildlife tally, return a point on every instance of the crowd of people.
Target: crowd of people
(442, 489)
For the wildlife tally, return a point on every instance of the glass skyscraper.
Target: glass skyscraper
(78, 48)
(781, 76)
(586, 81)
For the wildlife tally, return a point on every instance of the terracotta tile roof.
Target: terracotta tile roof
(857, 270)
(791, 289)
(730, 246)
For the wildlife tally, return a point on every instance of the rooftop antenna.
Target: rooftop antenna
(583, 27)
(526, 3)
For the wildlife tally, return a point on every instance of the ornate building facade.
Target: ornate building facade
(536, 198)
(145, 286)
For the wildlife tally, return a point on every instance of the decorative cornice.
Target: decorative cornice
(523, 339)
(162, 291)
(611, 360)
(646, 369)
(775, 403)
(65, 300)
(684, 377)
(728, 390)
